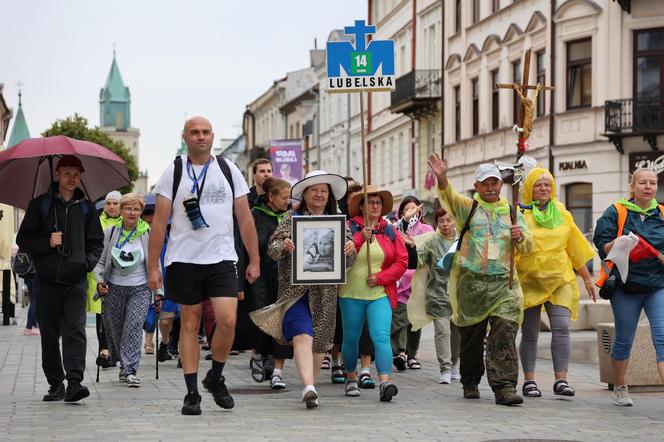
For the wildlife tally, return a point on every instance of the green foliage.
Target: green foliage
(77, 127)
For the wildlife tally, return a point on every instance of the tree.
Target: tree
(77, 127)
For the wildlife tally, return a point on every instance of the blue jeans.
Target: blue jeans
(626, 311)
(32, 308)
(378, 314)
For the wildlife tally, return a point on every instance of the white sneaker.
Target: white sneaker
(445, 377)
(621, 396)
(277, 383)
(310, 397)
(133, 381)
(456, 374)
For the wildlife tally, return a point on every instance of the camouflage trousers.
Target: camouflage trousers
(502, 365)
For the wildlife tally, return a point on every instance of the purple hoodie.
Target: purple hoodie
(403, 289)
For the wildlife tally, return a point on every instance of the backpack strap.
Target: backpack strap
(622, 219)
(177, 176)
(466, 226)
(225, 168)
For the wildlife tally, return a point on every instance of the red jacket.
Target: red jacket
(396, 256)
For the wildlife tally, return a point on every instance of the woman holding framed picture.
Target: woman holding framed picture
(304, 315)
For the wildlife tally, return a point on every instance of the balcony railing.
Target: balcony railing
(633, 117)
(416, 90)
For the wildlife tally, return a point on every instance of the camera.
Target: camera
(193, 211)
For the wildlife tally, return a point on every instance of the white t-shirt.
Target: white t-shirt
(207, 245)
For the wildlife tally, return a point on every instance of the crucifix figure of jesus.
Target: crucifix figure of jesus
(524, 129)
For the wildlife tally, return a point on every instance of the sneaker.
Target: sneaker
(219, 391)
(621, 396)
(133, 381)
(456, 375)
(192, 404)
(277, 383)
(55, 393)
(162, 353)
(75, 392)
(508, 397)
(310, 397)
(387, 390)
(122, 377)
(445, 377)
(352, 390)
(471, 392)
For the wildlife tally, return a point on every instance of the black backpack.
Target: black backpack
(177, 174)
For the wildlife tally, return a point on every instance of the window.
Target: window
(648, 78)
(495, 5)
(457, 113)
(516, 102)
(476, 11)
(579, 202)
(457, 16)
(476, 106)
(541, 79)
(495, 101)
(579, 73)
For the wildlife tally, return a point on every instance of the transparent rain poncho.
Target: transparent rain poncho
(479, 278)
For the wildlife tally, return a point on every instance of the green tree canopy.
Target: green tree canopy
(77, 127)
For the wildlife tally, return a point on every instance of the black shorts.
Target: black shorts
(190, 284)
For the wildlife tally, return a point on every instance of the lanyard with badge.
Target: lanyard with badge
(125, 262)
(192, 202)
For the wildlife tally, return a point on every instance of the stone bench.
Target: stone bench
(590, 314)
(642, 373)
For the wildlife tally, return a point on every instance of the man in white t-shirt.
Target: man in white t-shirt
(200, 259)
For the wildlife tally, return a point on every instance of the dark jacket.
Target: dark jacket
(83, 238)
(263, 292)
(252, 197)
(648, 272)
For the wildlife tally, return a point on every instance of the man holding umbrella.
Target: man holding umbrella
(62, 234)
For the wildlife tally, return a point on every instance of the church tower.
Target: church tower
(115, 118)
(20, 130)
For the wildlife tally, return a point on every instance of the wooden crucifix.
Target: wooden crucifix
(526, 115)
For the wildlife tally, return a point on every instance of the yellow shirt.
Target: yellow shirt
(356, 281)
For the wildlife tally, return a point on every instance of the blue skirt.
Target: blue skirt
(298, 320)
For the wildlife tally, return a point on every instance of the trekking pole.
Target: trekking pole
(156, 353)
(101, 330)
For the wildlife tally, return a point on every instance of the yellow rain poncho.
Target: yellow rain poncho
(547, 273)
(479, 278)
(94, 306)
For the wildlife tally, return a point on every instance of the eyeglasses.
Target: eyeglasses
(131, 209)
(375, 203)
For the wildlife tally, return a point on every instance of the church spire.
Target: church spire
(20, 130)
(115, 100)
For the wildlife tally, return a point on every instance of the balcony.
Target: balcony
(632, 117)
(417, 93)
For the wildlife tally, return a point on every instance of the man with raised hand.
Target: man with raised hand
(201, 259)
(479, 281)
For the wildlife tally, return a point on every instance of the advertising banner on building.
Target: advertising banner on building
(286, 158)
(649, 160)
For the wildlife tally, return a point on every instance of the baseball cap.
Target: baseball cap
(487, 170)
(70, 161)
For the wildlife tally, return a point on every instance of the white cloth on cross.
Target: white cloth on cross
(619, 254)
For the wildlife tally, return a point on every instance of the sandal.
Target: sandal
(562, 388)
(327, 361)
(414, 364)
(399, 362)
(529, 389)
(365, 381)
(351, 389)
(257, 370)
(337, 375)
(149, 349)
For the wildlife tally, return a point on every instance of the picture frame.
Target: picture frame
(319, 250)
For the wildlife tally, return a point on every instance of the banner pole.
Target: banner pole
(364, 176)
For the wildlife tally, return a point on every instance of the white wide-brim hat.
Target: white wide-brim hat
(337, 182)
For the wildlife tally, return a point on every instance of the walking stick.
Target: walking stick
(364, 178)
(101, 328)
(156, 353)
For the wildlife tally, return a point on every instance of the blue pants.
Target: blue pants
(378, 314)
(626, 311)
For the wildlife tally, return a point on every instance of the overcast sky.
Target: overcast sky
(177, 57)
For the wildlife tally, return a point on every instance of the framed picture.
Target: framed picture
(319, 249)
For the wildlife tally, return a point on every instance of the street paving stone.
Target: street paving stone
(422, 411)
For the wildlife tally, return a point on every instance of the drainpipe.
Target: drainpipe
(317, 129)
(442, 78)
(413, 179)
(348, 136)
(552, 95)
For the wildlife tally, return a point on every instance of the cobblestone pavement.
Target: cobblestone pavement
(423, 410)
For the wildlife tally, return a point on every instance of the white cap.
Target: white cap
(487, 170)
(113, 196)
